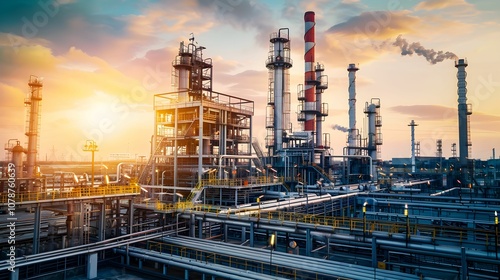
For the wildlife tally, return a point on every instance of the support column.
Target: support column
(243, 234)
(308, 242)
(80, 224)
(186, 274)
(225, 232)
(463, 270)
(236, 197)
(192, 223)
(102, 217)
(164, 269)
(374, 252)
(91, 265)
(36, 230)
(130, 216)
(118, 223)
(251, 233)
(200, 229)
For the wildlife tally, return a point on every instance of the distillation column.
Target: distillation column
(33, 102)
(278, 62)
(464, 111)
(352, 109)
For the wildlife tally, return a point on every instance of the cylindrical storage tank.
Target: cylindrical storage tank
(17, 159)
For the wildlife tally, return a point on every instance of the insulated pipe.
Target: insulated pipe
(201, 267)
(309, 77)
(352, 108)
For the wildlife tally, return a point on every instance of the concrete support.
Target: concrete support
(91, 265)
(140, 264)
(251, 233)
(186, 274)
(36, 230)
(164, 269)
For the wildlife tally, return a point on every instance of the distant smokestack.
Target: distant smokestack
(464, 111)
(412, 125)
(430, 55)
(341, 128)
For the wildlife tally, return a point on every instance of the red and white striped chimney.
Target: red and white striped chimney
(310, 78)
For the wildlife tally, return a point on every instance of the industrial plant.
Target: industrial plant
(212, 201)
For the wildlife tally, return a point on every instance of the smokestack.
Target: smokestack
(430, 55)
(413, 124)
(310, 79)
(352, 108)
(464, 111)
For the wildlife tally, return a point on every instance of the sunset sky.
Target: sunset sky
(102, 62)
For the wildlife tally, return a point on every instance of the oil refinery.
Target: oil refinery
(212, 201)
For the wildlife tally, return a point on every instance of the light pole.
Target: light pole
(407, 224)
(272, 242)
(258, 202)
(91, 146)
(364, 220)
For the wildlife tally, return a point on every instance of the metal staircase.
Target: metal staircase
(195, 193)
(322, 172)
(144, 172)
(257, 161)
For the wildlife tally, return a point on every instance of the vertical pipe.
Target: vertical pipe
(352, 108)
(310, 81)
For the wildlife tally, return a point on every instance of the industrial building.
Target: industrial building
(210, 202)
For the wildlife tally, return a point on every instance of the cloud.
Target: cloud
(427, 112)
(441, 4)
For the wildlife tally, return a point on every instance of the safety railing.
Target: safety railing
(239, 262)
(78, 192)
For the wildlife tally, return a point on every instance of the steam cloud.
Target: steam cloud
(341, 128)
(431, 55)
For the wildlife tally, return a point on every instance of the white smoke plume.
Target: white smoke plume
(430, 55)
(341, 128)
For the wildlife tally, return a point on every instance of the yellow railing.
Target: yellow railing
(78, 192)
(239, 262)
